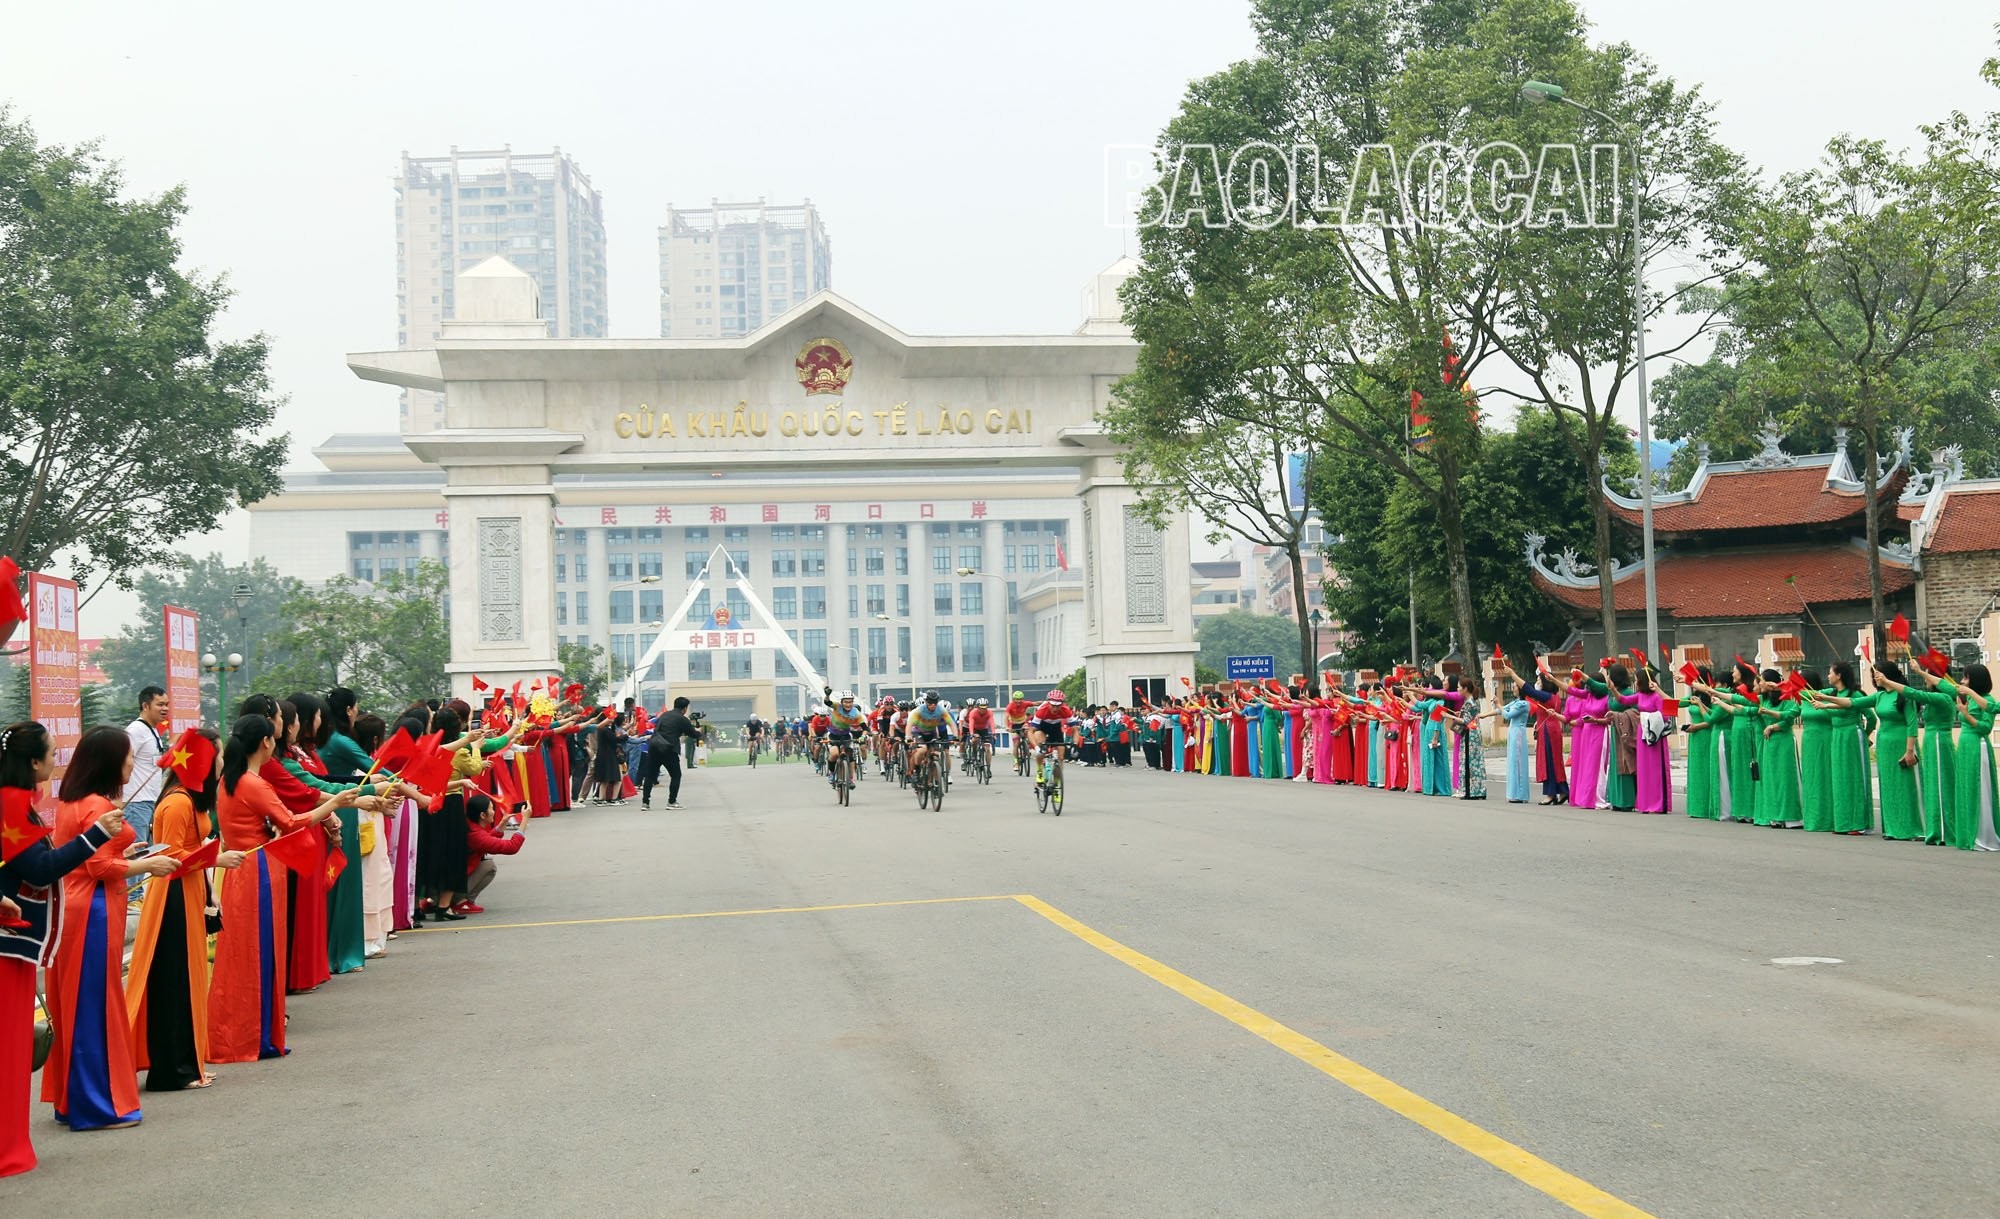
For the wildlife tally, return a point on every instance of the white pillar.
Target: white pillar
(1138, 605)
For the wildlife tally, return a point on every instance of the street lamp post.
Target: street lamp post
(1542, 91)
(1006, 631)
(222, 668)
(913, 650)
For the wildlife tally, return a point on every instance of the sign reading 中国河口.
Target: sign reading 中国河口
(1250, 668)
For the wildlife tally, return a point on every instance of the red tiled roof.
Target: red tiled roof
(1969, 520)
(1758, 499)
(1749, 584)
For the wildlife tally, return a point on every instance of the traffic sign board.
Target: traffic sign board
(1250, 668)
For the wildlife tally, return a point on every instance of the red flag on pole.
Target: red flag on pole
(1499, 657)
(478, 686)
(302, 850)
(336, 863)
(200, 861)
(1867, 653)
(1062, 560)
(1899, 628)
(18, 829)
(1690, 674)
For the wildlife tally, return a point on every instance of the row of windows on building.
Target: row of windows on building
(953, 650)
(789, 563)
(789, 603)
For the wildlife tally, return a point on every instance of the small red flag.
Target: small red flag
(336, 863)
(192, 759)
(478, 686)
(1899, 628)
(12, 612)
(395, 752)
(1187, 682)
(1670, 707)
(303, 850)
(1641, 658)
(18, 828)
(200, 861)
(1936, 663)
(1062, 560)
(1867, 653)
(573, 693)
(1689, 674)
(1499, 657)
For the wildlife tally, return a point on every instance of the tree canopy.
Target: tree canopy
(125, 423)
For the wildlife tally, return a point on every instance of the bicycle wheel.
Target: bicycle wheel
(1056, 792)
(939, 786)
(1041, 798)
(923, 795)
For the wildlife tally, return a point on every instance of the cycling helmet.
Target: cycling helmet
(906, 706)
(979, 702)
(930, 696)
(1018, 694)
(844, 696)
(1057, 697)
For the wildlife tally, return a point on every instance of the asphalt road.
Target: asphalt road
(1593, 989)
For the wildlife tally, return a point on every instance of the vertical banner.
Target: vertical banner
(54, 693)
(183, 671)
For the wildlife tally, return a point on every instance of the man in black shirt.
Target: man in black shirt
(664, 750)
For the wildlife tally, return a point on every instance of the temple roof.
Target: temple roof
(1771, 490)
(1731, 495)
(1958, 518)
(1763, 582)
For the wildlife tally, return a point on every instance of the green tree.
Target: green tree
(124, 424)
(1242, 633)
(1872, 294)
(1076, 688)
(585, 663)
(1380, 534)
(387, 642)
(1553, 297)
(136, 657)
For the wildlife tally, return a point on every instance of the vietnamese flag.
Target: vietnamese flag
(478, 686)
(192, 759)
(202, 860)
(1689, 674)
(300, 851)
(18, 828)
(1062, 560)
(1899, 628)
(395, 752)
(1499, 657)
(336, 863)
(12, 612)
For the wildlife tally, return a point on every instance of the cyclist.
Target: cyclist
(753, 733)
(979, 728)
(1046, 728)
(926, 727)
(844, 721)
(1018, 712)
(816, 729)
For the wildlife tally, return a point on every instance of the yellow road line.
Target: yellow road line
(667, 918)
(1573, 1192)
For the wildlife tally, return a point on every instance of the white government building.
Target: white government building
(909, 511)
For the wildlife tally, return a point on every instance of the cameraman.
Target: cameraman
(664, 750)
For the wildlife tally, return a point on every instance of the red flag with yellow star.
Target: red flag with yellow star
(192, 759)
(336, 863)
(18, 828)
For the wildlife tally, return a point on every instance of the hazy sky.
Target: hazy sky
(959, 173)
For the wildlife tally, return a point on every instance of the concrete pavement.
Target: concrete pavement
(1594, 989)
